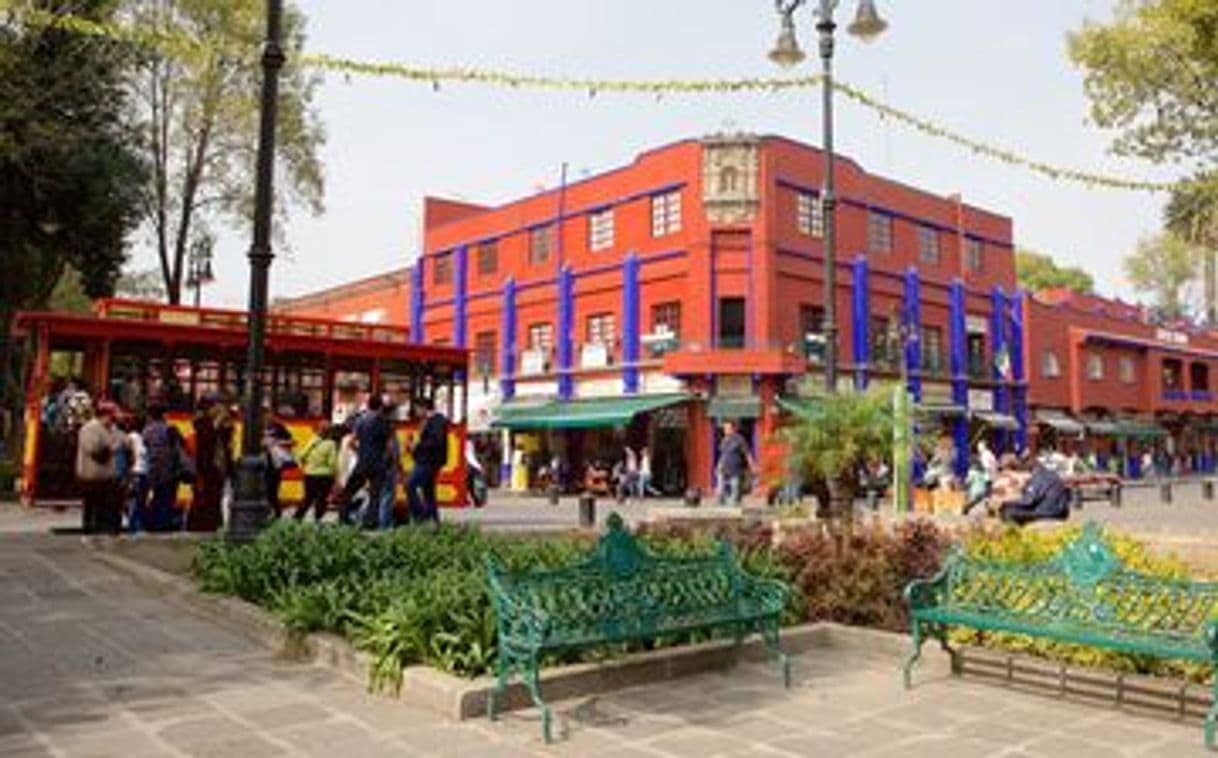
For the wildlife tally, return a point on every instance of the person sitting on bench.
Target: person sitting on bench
(1044, 497)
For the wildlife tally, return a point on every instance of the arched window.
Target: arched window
(729, 179)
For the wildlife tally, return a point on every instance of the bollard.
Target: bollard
(693, 497)
(873, 498)
(1165, 493)
(1114, 496)
(587, 510)
(552, 494)
(1076, 498)
(1207, 489)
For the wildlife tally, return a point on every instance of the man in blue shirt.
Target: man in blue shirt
(372, 433)
(430, 455)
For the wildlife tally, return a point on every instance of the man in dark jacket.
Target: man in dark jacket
(1045, 496)
(372, 431)
(430, 455)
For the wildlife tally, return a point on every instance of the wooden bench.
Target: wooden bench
(623, 593)
(1083, 595)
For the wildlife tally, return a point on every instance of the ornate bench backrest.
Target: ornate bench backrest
(1084, 583)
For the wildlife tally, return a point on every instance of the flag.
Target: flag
(1002, 364)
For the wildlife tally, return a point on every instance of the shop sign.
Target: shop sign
(975, 324)
(980, 400)
(1172, 337)
(734, 384)
(602, 387)
(593, 355)
(533, 362)
(937, 393)
(659, 383)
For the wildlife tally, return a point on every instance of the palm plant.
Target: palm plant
(834, 438)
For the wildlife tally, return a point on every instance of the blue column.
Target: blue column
(566, 315)
(1019, 371)
(998, 339)
(507, 368)
(416, 302)
(860, 326)
(460, 288)
(959, 368)
(630, 324)
(913, 320)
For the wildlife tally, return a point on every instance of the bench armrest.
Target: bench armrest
(509, 611)
(927, 593)
(770, 592)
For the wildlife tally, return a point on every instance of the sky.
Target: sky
(994, 71)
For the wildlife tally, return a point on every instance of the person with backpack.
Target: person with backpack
(162, 470)
(319, 464)
(430, 456)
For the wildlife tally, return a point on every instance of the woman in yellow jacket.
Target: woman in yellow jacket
(319, 464)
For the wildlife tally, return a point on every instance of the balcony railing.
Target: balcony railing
(1174, 395)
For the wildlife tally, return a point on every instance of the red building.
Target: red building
(1132, 384)
(640, 305)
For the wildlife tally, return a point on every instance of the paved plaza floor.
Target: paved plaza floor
(92, 666)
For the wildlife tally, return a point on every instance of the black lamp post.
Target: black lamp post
(198, 262)
(249, 511)
(867, 25)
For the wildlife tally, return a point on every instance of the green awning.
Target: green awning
(1059, 421)
(729, 407)
(939, 409)
(996, 420)
(1139, 430)
(597, 413)
(1102, 427)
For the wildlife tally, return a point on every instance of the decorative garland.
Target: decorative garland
(183, 45)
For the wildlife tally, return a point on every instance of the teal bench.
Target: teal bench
(623, 593)
(1083, 595)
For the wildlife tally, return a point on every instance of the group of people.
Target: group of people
(1019, 491)
(132, 466)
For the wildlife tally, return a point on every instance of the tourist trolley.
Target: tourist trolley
(134, 353)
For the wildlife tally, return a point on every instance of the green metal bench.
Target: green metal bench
(1083, 595)
(622, 593)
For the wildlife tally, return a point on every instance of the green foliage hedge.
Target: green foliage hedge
(419, 595)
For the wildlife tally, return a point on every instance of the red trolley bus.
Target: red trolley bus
(316, 371)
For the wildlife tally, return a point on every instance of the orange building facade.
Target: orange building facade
(643, 305)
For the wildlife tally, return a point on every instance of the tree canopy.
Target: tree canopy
(1152, 75)
(199, 114)
(1037, 271)
(1166, 268)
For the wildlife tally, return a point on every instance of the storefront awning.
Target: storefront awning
(1059, 421)
(728, 407)
(597, 413)
(1139, 430)
(940, 409)
(1102, 427)
(995, 420)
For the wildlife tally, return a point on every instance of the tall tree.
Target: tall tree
(1166, 268)
(1192, 215)
(199, 105)
(1152, 74)
(1037, 271)
(69, 178)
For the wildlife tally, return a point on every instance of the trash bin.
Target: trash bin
(587, 510)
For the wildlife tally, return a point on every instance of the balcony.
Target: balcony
(699, 358)
(1201, 396)
(1175, 395)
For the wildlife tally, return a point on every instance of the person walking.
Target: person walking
(97, 446)
(644, 471)
(137, 491)
(319, 464)
(277, 442)
(162, 470)
(371, 431)
(394, 473)
(735, 461)
(205, 514)
(430, 455)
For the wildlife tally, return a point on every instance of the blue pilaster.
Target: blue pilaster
(860, 327)
(1019, 371)
(630, 324)
(460, 289)
(913, 322)
(958, 362)
(507, 369)
(998, 339)
(416, 302)
(566, 315)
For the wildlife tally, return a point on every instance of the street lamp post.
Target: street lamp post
(249, 511)
(867, 25)
(198, 262)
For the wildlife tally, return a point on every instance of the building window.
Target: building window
(976, 356)
(812, 332)
(601, 329)
(809, 214)
(1173, 374)
(972, 254)
(488, 258)
(541, 337)
(666, 319)
(1095, 366)
(883, 347)
(1126, 369)
(540, 242)
(1199, 377)
(879, 232)
(600, 230)
(1050, 366)
(484, 353)
(932, 349)
(665, 213)
(928, 246)
(443, 271)
(732, 323)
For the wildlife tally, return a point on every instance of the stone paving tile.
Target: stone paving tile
(1075, 747)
